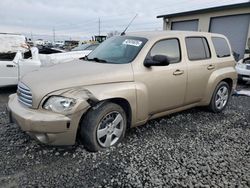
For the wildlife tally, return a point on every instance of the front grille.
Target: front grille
(24, 94)
(248, 67)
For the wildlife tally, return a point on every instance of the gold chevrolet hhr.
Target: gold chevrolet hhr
(123, 83)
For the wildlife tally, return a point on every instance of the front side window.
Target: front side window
(118, 50)
(221, 47)
(169, 48)
(197, 48)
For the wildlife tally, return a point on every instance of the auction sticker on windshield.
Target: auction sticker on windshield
(132, 42)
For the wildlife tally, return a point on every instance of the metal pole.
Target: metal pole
(54, 35)
(99, 23)
(31, 36)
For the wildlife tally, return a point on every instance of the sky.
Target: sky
(79, 19)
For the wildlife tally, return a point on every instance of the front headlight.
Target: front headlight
(59, 104)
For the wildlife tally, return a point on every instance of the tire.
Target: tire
(220, 97)
(103, 126)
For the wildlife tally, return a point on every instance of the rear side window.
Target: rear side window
(7, 56)
(197, 48)
(169, 48)
(221, 47)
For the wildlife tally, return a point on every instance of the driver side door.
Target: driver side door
(165, 85)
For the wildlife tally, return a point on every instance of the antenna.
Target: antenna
(123, 33)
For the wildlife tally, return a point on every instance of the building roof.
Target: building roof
(206, 10)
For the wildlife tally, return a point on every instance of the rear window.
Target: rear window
(197, 48)
(221, 47)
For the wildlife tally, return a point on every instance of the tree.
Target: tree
(113, 33)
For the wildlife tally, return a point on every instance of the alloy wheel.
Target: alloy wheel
(221, 97)
(110, 129)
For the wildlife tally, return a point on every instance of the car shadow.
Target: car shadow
(5, 92)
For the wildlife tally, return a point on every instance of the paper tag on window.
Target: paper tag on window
(132, 42)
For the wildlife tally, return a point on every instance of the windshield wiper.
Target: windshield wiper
(96, 59)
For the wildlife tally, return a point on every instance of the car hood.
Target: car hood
(73, 74)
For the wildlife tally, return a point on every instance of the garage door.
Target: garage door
(191, 25)
(235, 28)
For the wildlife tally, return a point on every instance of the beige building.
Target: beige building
(230, 20)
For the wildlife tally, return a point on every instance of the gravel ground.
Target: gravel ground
(194, 148)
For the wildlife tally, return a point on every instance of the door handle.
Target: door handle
(178, 72)
(10, 65)
(210, 67)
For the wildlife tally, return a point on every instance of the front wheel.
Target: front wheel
(103, 126)
(220, 97)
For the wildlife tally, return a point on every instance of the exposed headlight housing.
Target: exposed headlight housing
(59, 104)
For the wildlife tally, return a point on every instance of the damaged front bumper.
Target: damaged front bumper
(45, 126)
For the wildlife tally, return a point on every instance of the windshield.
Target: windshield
(118, 50)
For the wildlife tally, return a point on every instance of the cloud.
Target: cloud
(80, 18)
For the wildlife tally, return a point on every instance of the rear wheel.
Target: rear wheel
(103, 126)
(220, 97)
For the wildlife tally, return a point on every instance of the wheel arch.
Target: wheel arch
(227, 75)
(125, 106)
(119, 101)
(229, 81)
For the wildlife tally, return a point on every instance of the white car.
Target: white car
(11, 70)
(76, 53)
(243, 70)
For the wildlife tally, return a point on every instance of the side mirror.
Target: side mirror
(157, 60)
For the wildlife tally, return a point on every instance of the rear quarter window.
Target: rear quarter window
(221, 47)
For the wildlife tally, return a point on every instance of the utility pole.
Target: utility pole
(31, 36)
(99, 26)
(54, 35)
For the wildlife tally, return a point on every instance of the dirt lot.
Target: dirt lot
(194, 148)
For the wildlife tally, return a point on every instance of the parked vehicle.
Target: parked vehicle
(11, 69)
(243, 70)
(11, 43)
(123, 83)
(56, 58)
(86, 46)
(14, 66)
(58, 44)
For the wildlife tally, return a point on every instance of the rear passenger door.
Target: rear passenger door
(200, 67)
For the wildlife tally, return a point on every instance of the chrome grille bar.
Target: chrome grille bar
(24, 95)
